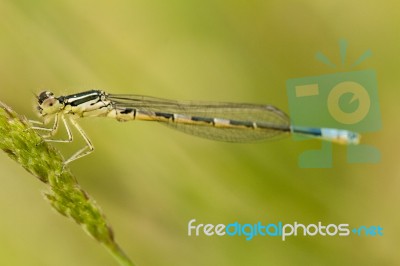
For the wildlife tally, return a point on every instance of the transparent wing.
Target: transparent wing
(271, 122)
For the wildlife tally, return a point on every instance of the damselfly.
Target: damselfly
(232, 122)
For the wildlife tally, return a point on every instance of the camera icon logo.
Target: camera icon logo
(345, 100)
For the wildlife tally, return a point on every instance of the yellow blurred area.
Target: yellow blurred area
(151, 181)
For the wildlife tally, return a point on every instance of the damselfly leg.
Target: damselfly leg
(89, 148)
(53, 130)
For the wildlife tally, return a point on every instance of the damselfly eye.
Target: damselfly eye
(49, 102)
(44, 96)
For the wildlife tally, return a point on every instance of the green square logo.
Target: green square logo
(345, 100)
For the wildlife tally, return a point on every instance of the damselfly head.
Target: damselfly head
(47, 103)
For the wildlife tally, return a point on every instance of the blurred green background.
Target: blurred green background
(150, 180)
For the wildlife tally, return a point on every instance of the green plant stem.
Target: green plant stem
(28, 148)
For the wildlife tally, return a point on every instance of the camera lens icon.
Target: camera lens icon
(358, 93)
